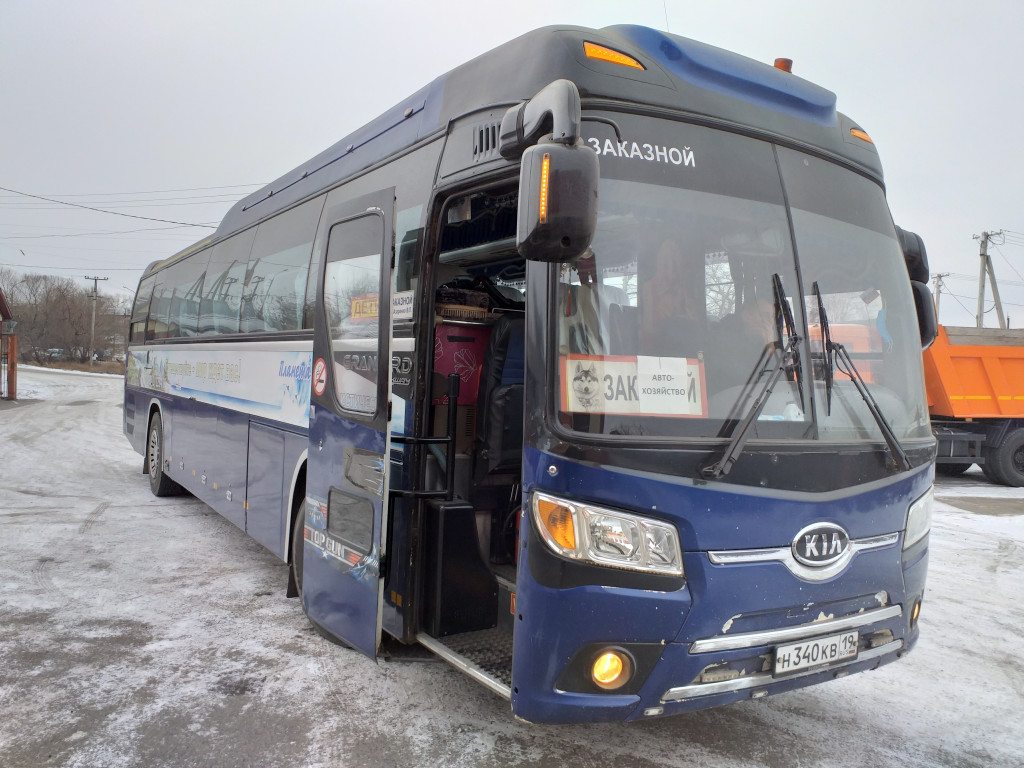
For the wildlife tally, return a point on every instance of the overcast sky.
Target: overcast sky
(174, 110)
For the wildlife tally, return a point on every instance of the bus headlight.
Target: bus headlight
(919, 519)
(607, 537)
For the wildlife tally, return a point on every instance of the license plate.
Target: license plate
(815, 653)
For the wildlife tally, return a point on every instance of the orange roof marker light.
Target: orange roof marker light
(599, 52)
(859, 134)
(786, 65)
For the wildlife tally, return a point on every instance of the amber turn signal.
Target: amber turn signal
(599, 52)
(558, 523)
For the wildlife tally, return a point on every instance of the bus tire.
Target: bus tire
(952, 470)
(1008, 459)
(298, 550)
(159, 483)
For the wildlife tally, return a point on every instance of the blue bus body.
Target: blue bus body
(683, 464)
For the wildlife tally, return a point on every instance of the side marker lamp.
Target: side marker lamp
(857, 133)
(545, 178)
(599, 52)
(612, 669)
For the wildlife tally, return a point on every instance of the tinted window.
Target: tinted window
(222, 289)
(186, 281)
(140, 309)
(351, 297)
(275, 281)
(159, 308)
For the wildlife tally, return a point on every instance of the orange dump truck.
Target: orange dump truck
(975, 383)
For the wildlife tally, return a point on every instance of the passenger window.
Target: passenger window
(275, 281)
(351, 296)
(222, 289)
(187, 278)
(140, 310)
(159, 308)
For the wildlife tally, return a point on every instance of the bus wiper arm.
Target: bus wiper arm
(826, 349)
(836, 355)
(789, 356)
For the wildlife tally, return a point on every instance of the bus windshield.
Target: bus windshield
(669, 326)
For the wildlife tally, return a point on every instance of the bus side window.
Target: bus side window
(275, 277)
(222, 289)
(140, 310)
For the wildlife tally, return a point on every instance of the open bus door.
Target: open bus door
(346, 484)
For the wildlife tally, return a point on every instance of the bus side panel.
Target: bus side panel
(228, 481)
(272, 455)
(135, 415)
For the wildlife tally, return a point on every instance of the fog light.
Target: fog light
(612, 669)
(915, 613)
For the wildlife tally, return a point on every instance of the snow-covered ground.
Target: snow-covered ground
(137, 631)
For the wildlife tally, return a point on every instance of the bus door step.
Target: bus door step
(485, 655)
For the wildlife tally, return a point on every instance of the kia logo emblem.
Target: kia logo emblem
(820, 544)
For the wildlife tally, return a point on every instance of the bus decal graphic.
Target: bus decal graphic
(272, 384)
(651, 153)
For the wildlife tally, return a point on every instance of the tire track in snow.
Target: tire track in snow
(93, 517)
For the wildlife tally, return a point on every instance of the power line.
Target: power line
(155, 191)
(100, 210)
(99, 234)
(1008, 263)
(72, 269)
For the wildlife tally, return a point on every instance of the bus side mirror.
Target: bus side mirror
(926, 322)
(914, 254)
(557, 202)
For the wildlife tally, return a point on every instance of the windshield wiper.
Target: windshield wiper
(789, 356)
(834, 354)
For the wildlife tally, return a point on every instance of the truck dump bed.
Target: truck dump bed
(975, 373)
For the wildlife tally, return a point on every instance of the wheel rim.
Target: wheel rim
(1018, 459)
(154, 452)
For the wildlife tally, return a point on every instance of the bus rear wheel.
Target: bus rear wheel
(159, 483)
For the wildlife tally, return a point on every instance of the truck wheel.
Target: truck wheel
(989, 468)
(952, 470)
(1008, 459)
(159, 483)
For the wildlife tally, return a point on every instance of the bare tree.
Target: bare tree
(54, 316)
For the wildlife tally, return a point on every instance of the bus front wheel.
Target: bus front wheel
(159, 483)
(298, 543)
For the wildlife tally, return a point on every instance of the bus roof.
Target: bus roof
(679, 74)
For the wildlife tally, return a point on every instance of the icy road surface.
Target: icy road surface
(137, 631)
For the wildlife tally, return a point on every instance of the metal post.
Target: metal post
(980, 315)
(92, 333)
(938, 291)
(986, 268)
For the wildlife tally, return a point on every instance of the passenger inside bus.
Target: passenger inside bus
(671, 299)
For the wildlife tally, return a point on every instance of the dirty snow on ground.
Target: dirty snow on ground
(137, 631)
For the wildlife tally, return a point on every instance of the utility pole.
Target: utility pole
(938, 291)
(92, 334)
(986, 268)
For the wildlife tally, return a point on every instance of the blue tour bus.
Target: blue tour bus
(643, 429)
